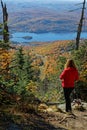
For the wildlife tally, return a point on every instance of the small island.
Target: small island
(27, 37)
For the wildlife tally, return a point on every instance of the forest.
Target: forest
(29, 79)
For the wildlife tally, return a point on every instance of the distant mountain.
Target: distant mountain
(41, 17)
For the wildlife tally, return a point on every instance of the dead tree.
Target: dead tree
(5, 20)
(80, 26)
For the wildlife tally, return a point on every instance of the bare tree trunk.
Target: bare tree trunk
(80, 26)
(5, 20)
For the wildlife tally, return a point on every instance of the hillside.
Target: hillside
(48, 54)
(31, 95)
(30, 110)
(43, 17)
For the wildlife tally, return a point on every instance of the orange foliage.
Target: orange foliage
(5, 60)
(50, 48)
(50, 53)
(50, 66)
(46, 54)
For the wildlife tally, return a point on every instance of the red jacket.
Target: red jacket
(68, 77)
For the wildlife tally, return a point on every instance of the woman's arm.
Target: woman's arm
(62, 75)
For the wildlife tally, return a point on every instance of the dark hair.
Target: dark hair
(70, 63)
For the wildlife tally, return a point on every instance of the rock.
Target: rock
(42, 107)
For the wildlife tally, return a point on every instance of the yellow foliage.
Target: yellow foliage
(5, 61)
(84, 73)
(50, 66)
(32, 86)
(4, 58)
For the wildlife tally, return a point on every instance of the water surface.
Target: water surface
(44, 37)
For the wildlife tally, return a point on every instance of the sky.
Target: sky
(44, 0)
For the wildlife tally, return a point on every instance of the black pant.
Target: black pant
(67, 92)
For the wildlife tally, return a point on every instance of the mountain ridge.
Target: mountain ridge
(41, 18)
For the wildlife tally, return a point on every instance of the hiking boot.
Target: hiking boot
(70, 113)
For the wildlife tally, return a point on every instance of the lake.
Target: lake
(25, 37)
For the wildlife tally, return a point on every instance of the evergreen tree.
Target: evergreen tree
(29, 68)
(20, 72)
(23, 70)
(20, 58)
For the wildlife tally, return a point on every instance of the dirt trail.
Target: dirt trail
(69, 122)
(44, 121)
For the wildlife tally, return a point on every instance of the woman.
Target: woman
(68, 77)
